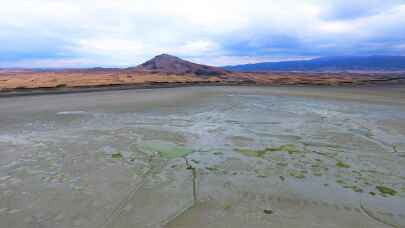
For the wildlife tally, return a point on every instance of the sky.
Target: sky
(121, 33)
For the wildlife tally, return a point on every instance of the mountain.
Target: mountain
(169, 64)
(336, 63)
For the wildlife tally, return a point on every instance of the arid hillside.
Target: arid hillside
(172, 71)
(169, 64)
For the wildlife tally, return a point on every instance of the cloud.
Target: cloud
(347, 10)
(54, 63)
(127, 32)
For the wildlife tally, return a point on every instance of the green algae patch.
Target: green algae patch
(252, 153)
(354, 188)
(343, 165)
(116, 155)
(316, 170)
(386, 190)
(174, 152)
(289, 148)
(227, 206)
(340, 181)
(297, 174)
(263, 173)
(282, 164)
(166, 150)
(318, 174)
(212, 169)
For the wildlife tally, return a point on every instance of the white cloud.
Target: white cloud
(55, 63)
(126, 32)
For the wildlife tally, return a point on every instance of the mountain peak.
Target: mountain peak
(169, 64)
(164, 55)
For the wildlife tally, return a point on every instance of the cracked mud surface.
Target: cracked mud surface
(277, 156)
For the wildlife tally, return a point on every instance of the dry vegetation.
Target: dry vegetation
(12, 80)
(72, 79)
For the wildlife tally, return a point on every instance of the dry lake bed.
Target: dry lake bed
(204, 157)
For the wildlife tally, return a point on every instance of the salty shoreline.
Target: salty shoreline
(158, 85)
(90, 80)
(103, 88)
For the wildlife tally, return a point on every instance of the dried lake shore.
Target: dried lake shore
(41, 82)
(240, 156)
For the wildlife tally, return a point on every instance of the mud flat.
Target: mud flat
(290, 156)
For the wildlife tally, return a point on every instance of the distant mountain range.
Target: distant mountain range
(169, 64)
(337, 63)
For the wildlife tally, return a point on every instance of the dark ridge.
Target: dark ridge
(335, 63)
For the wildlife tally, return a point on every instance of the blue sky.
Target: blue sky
(86, 33)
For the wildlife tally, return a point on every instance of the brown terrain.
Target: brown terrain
(168, 64)
(166, 70)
